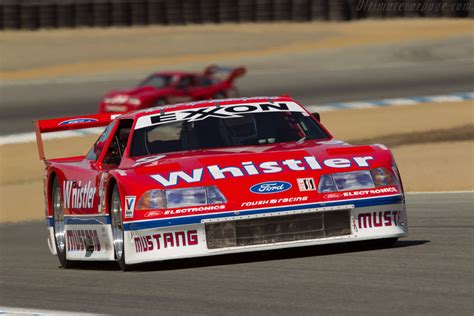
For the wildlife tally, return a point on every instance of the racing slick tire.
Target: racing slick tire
(59, 227)
(117, 228)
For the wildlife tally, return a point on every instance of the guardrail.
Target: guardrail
(35, 14)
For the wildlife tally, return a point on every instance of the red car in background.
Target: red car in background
(173, 87)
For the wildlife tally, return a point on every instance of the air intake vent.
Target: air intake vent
(270, 230)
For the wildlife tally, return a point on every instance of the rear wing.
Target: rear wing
(67, 124)
(232, 73)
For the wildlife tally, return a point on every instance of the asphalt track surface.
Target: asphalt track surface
(429, 272)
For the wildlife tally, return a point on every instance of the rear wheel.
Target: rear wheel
(59, 225)
(117, 228)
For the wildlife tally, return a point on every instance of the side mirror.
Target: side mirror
(95, 165)
(317, 116)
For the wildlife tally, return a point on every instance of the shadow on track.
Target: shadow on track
(258, 256)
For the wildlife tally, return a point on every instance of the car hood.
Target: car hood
(238, 171)
(291, 170)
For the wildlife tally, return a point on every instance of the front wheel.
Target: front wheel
(59, 226)
(117, 228)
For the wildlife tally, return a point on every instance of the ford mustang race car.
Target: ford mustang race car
(172, 87)
(215, 177)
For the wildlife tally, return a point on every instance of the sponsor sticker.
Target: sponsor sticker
(77, 196)
(147, 160)
(226, 111)
(129, 206)
(306, 184)
(370, 192)
(153, 214)
(270, 187)
(196, 209)
(159, 241)
(102, 182)
(78, 121)
(333, 195)
(83, 240)
(275, 201)
(378, 219)
(248, 168)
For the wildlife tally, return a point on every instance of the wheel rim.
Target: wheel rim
(117, 227)
(58, 216)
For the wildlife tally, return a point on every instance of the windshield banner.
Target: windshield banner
(225, 111)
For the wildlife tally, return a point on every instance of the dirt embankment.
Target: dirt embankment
(65, 52)
(433, 143)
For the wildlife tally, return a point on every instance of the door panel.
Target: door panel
(79, 188)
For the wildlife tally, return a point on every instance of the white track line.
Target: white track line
(37, 312)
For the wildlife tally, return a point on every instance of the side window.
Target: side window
(118, 144)
(96, 150)
(186, 82)
(204, 81)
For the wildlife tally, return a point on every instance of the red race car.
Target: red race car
(215, 177)
(172, 87)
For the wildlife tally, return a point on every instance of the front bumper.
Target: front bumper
(263, 229)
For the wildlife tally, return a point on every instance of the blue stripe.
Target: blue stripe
(87, 220)
(197, 219)
(81, 220)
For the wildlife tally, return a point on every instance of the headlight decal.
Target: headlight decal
(356, 180)
(346, 181)
(175, 198)
(326, 184)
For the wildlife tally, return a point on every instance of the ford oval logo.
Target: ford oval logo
(270, 187)
(78, 120)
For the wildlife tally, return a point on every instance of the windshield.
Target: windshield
(215, 132)
(157, 81)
